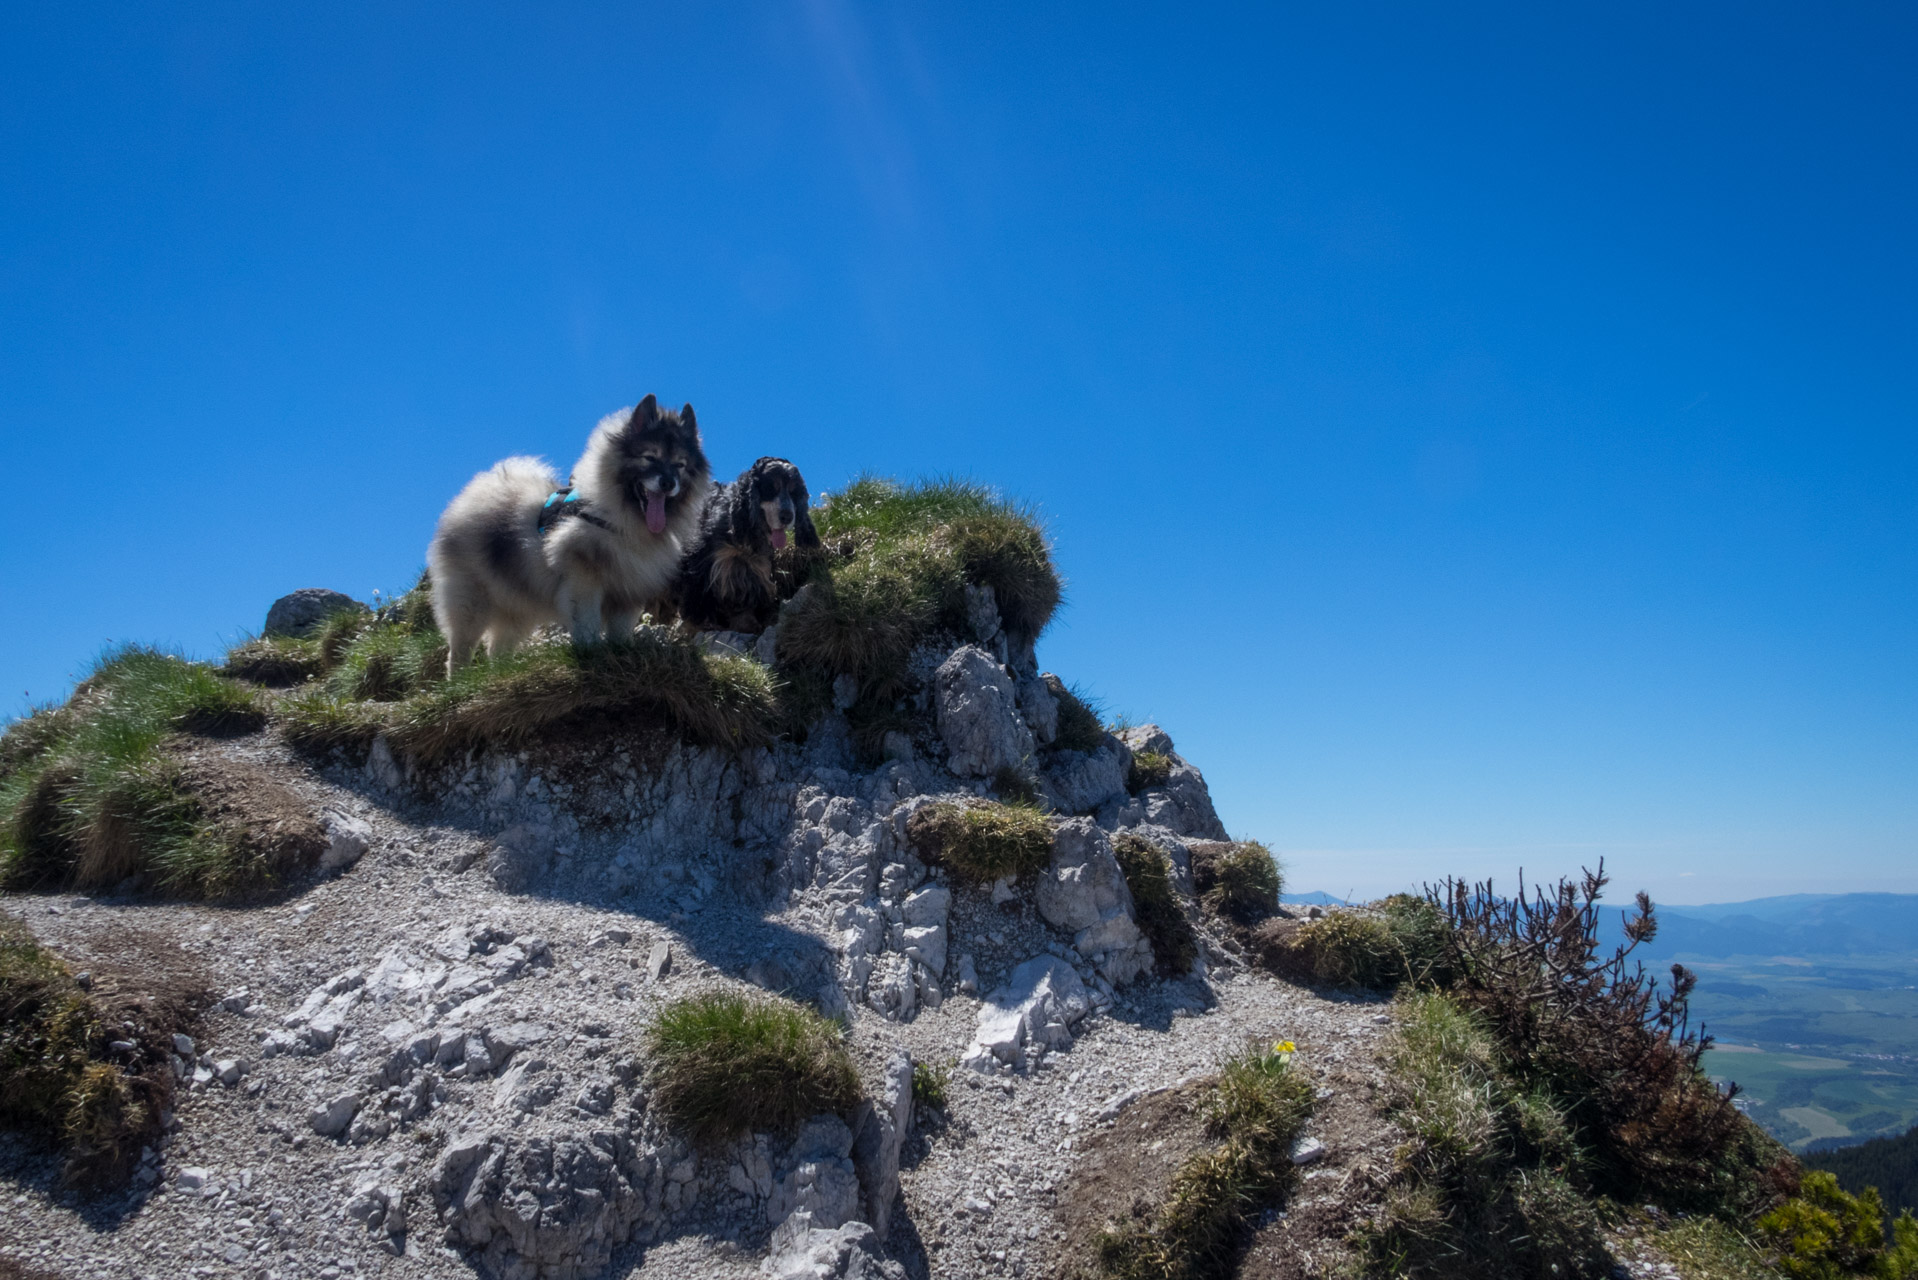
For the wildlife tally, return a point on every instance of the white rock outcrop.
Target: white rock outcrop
(978, 715)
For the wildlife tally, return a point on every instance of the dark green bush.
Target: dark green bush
(724, 1064)
(1824, 1234)
(1236, 879)
(1161, 916)
(1080, 728)
(982, 841)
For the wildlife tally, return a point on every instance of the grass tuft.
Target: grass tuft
(931, 1085)
(1080, 728)
(1161, 916)
(725, 1064)
(1490, 1182)
(1400, 939)
(982, 841)
(1236, 879)
(906, 554)
(91, 796)
(1149, 769)
(278, 662)
(1256, 1107)
(55, 1086)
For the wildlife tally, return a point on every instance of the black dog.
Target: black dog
(727, 580)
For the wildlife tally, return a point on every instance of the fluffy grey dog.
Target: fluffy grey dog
(515, 551)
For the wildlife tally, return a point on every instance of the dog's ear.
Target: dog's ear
(746, 515)
(646, 412)
(802, 519)
(692, 423)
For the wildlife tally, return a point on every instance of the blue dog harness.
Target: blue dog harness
(562, 504)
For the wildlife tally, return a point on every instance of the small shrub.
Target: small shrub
(982, 841)
(1256, 1107)
(930, 1084)
(1614, 1046)
(1399, 939)
(1161, 916)
(1149, 769)
(278, 662)
(1238, 880)
(1824, 1234)
(1080, 728)
(725, 1064)
(1016, 786)
(55, 1086)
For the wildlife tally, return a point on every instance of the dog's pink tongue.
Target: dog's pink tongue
(779, 539)
(656, 513)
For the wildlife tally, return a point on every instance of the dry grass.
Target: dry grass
(725, 1064)
(60, 1083)
(1400, 939)
(982, 841)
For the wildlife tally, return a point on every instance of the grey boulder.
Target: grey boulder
(302, 612)
(979, 715)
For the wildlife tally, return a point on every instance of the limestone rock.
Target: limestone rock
(882, 1126)
(1041, 710)
(302, 612)
(347, 840)
(802, 1251)
(545, 1208)
(1040, 1002)
(821, 1181)
(1083, 891)
(1081, 781)
(978, 715)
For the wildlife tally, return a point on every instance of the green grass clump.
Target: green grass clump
(1236, 879)
(1149, 769)
(658, 677)
(1080, 728)
(931, 1085)
(1161, 916)
(908, 554)
(1397, 940)
(1824, 1234)
(387, 663)
(1491, 1181)
(279, 662)
(982, 841)
(726, 1064)
(55, 1086)
(89, 796)
(1255, 1108)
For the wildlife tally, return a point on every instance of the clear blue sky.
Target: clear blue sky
(1483, 436)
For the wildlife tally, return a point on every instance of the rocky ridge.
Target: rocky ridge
(425, 1061)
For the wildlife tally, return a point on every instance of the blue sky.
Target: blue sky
(1483, 436)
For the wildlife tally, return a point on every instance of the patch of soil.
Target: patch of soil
(1337, 1193)
(275, 823)
(11, 1270)
(1125, 1170)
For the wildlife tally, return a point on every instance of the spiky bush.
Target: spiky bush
(1615, 1046)
(723, 1064)
(90, 796)
(1080, 726)
(982, 841)
(1156, 903)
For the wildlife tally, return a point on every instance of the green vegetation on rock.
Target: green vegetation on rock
(724, 1064)
(982, 841)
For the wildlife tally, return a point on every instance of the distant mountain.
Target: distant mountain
(1804, 924)
(1890, 1164)
(1316, 898)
